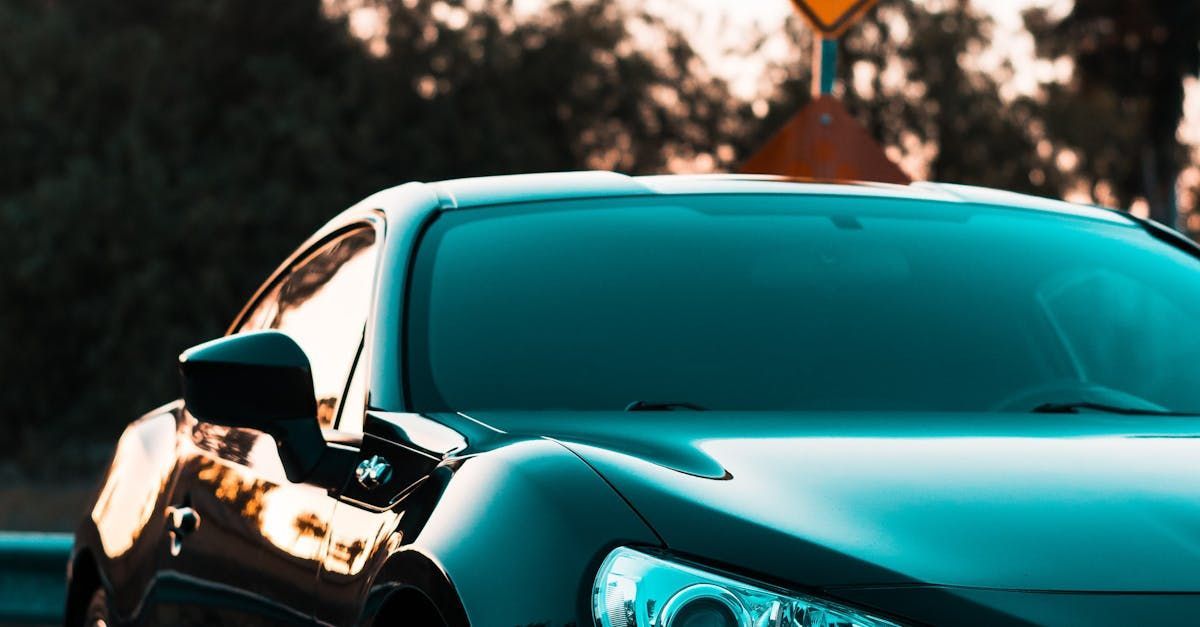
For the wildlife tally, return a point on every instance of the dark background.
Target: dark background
(158, 159)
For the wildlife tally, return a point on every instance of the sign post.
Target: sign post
(824, 68)
(824, 141)
(829, 18)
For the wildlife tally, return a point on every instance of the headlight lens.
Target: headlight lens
(635, 589)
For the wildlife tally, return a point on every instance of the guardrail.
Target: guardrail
(33, 569)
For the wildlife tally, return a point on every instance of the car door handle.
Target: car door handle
(181, 522)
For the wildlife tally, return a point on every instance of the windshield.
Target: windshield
(797, 303)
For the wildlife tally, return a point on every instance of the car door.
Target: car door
(244, 541)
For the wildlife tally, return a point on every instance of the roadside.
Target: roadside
(43, 506)
(36, 496)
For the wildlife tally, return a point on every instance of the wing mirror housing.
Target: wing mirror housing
(262, 380)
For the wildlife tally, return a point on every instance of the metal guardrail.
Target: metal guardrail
(33, 569)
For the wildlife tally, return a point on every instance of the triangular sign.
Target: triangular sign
(825, 142)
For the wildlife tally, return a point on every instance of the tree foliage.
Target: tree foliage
(907, 77)
(161, 157)
(1122, 110)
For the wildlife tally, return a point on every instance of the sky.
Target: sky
(715, 26)
(720, 29)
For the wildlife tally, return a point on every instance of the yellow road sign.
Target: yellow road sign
(831, 17)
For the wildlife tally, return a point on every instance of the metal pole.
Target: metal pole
(825, 51)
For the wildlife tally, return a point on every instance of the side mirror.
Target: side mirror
(258, 380)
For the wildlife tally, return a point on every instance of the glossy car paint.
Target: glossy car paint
(1040, 502)
(502, 519)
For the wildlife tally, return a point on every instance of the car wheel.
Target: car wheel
(408, 607)
(97, 614)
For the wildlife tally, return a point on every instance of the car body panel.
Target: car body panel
(1008, 608)
(1007, 501)
(529, 508)
(506, 189)
(408, 209)
(499, 190)
(254, 557)
(123, 532)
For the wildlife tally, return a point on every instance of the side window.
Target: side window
(322, 303)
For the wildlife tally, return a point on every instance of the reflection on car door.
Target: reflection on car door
(251, 557)
(245, 542)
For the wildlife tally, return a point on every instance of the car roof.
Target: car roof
(506, 189)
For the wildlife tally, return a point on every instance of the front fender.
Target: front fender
(123, 529)
(516, 533)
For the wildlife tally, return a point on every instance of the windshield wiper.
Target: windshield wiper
(1074, 408)
(661, 406)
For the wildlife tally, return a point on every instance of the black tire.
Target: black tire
(97, 613)
(408, 607)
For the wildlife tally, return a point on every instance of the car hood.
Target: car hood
(1038, 502)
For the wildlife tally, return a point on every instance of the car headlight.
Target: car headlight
(635, 589)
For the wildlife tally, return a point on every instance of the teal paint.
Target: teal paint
(828, 67)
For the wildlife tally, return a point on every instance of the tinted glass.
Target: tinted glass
(322, 304)
(803, 303)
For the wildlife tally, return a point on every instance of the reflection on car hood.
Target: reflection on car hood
(1085, 502)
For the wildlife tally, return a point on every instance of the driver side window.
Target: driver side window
(322, 303)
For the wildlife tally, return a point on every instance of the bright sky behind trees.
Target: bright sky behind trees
(716, 25)
(719, 30)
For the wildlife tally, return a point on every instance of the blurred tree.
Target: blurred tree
(1122, 111)
(567, 87)
(159, 158)
(906, 72)
(146, 145)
